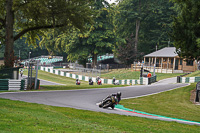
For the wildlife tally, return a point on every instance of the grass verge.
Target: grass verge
(69, 82)
(55, 78)
(118, 74)
(20, 117)
(129, 74)
(175, 103)
(194, 74)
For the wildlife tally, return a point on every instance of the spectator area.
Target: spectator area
(45, 60)
(102, 57)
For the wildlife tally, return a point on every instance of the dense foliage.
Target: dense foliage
(186, 28)
(80, 29)
(97, 40)
(126, 52)
(33, 17)
(148, 20)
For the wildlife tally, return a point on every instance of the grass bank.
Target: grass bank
(21, 117)
(69, 83)
(194, 74)
(118, 74)
(175, 103)
(56, 78)
(128, 74)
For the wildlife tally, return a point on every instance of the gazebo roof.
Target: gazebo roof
(165, 52)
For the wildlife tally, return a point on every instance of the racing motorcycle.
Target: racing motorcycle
(109, 102)
(78, 82)
(99, 82)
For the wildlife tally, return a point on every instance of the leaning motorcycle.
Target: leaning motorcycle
(78, 82)
(99, 82)
(109, 102)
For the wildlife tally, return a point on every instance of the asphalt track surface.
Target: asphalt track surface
(88, 98)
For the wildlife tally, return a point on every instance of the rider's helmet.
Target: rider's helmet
(119, 94)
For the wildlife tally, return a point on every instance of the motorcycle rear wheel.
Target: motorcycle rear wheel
(108, 104)
(100, 105)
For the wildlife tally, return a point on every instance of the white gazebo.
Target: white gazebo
(167, 60)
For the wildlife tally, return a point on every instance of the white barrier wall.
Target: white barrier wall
(86, 78)
(61, 73)
(14, 84)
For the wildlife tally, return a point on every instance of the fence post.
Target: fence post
(178, 79)
(197, 96)
(197, 92)
(149, 81)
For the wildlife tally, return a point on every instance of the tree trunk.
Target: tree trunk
(94, 61)
(9, 53)
(137, 35)
(137, 28)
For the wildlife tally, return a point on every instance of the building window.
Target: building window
(181, 61)
(172, 61)
(189, 62)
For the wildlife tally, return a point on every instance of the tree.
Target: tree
(98, 39)
(186, 27)
(24, 48)
(130, 16)
(33, 17)
(148, 20)
(125, 52)
(51, 42)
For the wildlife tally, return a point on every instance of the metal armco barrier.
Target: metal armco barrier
(152, 79)
(3, 84)
(10, 84)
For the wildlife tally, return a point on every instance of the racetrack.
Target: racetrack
(86, 99)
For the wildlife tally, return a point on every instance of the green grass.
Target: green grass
(161, 76)
(118, 74)
(194, 74)
(55, 78)
(20, 117)
(175, 103)
(121, 74)
(17, 116)
(128, 74)
(69, 82)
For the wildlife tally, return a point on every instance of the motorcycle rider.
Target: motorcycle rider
(78, 82)
(114, 80)
(97, 79)
(90, 82)
(21, 72)
(118, 95)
